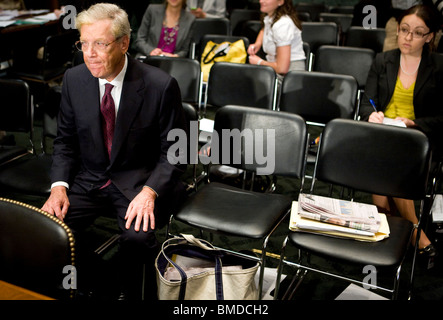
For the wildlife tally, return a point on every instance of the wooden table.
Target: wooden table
(12, 292)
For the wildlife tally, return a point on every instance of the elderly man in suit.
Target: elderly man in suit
(110, 154)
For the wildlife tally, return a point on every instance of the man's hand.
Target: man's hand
(141, 209)
(57, 203)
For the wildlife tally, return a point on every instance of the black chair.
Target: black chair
(314, 9)
(352, 61)
(16, 117)
(35, 249)
(342, 9)
(343, 21)
(370, 158)
(304, 16)
(319, 33)
(57, 57)
(250, 30)
(241, 84)
(319, 97)
(30, 175)
(204, 26)
(366, 38)
(239, 16)
(440, 47)
(235, 212)
(309, 56)
(188, 74)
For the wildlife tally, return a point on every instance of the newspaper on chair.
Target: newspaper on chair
(338, 217)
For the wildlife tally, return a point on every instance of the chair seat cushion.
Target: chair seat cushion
(221, 208)
(8, 153)
(386, 253)
(28, 175)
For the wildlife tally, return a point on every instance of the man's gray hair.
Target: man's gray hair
(101, 11)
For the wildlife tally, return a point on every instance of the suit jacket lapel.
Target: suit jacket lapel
(392, 73)
(424, 72)
(91, 105)
(131, 101)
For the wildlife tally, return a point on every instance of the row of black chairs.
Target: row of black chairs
(250, 85)
(352, 154)
(259, 118)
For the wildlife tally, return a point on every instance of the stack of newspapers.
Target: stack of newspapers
(337, 217)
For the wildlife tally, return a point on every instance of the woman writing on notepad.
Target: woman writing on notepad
(406, 84)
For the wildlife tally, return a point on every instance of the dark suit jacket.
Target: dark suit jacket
(428, 102)
(148, 34)
(150, 107)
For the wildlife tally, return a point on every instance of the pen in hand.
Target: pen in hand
(373, 104)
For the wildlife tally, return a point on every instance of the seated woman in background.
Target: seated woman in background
(280, 38)
(406, 84)
(166, 30)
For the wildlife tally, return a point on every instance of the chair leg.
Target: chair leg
(280, 268)
(411, 281)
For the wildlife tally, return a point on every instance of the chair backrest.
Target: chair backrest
(304, 16)
(343, 21)
(280, 137)
(16, 109)
(319, 97)
(366, 38)
(374, 158)
(342, 9)
(241, 84)
(59, 49)
(319, 33)
(77, 58)
(309, 56)
(314, 9)
(250, 29)
(440, 47)
(186, 71)
(204, 26)
(239, 16)
(352, 61)
(34, 248)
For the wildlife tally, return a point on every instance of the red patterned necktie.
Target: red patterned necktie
(107, 109)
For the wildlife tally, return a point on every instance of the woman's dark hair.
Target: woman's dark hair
(287, 9)
(429, 17)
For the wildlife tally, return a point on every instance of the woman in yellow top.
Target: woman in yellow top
(406, 84)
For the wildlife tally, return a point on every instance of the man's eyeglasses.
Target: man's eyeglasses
(97, 45)
(416, 34)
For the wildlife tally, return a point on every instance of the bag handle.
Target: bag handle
(220, 53)
(201, 244)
